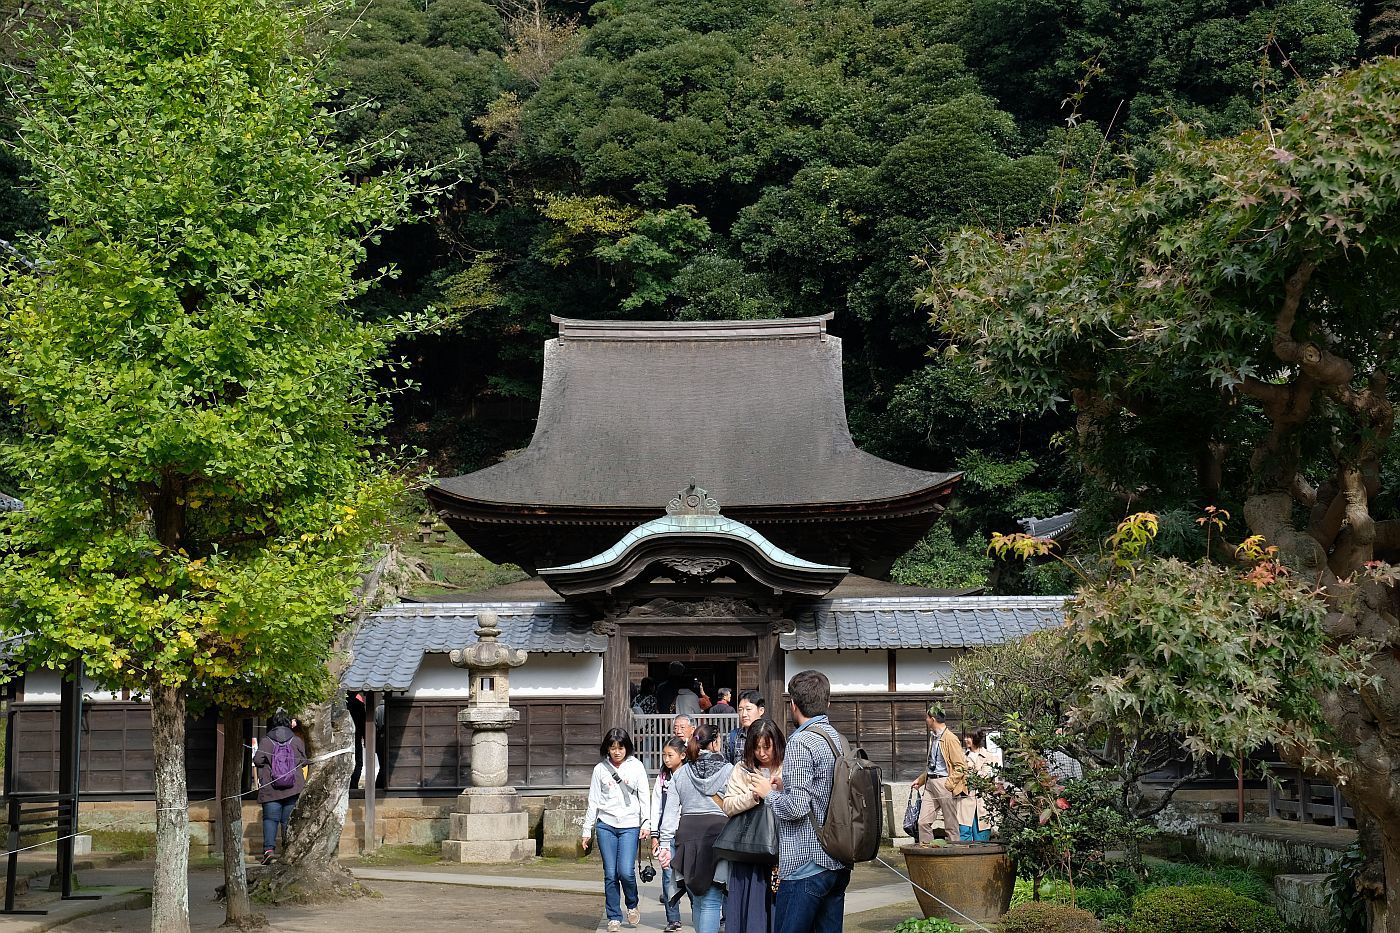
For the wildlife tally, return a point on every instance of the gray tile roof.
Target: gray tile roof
(922, 622)
(391, 643)
(1052, 527)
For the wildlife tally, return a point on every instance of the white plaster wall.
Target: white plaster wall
(848, 671)
(544, 675)
(919, 670)
(43, 687)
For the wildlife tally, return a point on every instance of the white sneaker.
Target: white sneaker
(614, 926)
(634, 915)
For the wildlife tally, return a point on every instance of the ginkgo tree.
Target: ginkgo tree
(199, 403)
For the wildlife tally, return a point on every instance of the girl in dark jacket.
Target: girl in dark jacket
(278, 792)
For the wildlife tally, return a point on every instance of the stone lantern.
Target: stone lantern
(488, 824)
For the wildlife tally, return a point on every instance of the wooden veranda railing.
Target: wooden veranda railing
(649, 733)
(1301, 798)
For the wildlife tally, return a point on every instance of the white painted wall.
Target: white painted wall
(918, 670)
(848, 671)
(544, 675)
(43, 687)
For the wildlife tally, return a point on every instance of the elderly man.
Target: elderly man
(682, 728)
(944, 778)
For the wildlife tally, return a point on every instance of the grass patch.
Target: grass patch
(456, 565)
(122, 840)
(426, 854)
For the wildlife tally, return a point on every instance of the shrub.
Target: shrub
(1201, 909)
(927, 925)
(1043, 917)
(1242, 881)
(1101, 901)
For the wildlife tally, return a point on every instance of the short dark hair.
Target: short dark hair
(702, 738)
(279, 718)
(811, 692)
(616, 737)
(935, 712)
(979, 738)
(647, 687)
(757, 729)
(754, 697)
(677, 668)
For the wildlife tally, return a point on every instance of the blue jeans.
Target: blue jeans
(668, 887)
(707, 910)
(812, 905)
(619, 850)
(275, 814)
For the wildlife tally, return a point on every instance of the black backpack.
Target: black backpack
(854, 817)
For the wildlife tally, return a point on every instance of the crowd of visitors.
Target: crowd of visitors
(735, 817)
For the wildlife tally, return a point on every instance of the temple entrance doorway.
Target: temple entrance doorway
(711, 674)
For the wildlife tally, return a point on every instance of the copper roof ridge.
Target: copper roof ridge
(754, 329)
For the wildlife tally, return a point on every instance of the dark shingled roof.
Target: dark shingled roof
(390, 645)
(754, 411)
(925, 622)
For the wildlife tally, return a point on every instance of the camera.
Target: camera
(648, 873)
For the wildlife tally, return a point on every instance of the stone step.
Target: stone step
(1303, 902)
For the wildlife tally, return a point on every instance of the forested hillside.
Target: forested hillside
(753, 158)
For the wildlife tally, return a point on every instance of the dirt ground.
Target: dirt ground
(397, 908)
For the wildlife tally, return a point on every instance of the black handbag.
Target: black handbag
(751, 836)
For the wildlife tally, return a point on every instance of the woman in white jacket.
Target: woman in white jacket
(619, 805)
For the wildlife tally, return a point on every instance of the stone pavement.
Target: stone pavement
(430, 897)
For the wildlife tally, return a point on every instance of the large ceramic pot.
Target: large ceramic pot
(976, 878)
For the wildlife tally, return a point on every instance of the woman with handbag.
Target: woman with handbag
(698, 872)
(665, 816)
(749, 904)
(619, 804)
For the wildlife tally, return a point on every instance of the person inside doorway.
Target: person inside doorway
(722, 705)
(666, 692)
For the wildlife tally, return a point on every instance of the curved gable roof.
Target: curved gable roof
(630, 410)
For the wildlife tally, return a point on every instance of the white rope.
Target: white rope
(136, 816)
(932, 895)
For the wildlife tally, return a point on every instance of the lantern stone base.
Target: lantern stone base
(489, 825)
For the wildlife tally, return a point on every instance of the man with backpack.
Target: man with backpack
(812, 883)
(279, 759)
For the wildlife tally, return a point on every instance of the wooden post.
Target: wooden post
(216, 842)
(770, 678)
(371, 761)
(617, 704)
(70, 718)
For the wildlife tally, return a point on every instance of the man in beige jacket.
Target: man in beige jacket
(943, 779)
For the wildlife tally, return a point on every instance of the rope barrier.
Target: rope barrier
(135, 816)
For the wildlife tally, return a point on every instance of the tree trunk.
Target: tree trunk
(170, 895)
(1385, 912)
(238, 907)
(309, 870)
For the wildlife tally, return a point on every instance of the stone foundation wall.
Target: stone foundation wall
(1303, 902)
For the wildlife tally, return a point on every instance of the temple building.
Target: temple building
(691, 493)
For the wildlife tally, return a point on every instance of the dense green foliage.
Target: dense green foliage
(1032, 917)
(1201, 909)
(181, 485)
(927, 925)
(652, 158)
(1111, 899)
